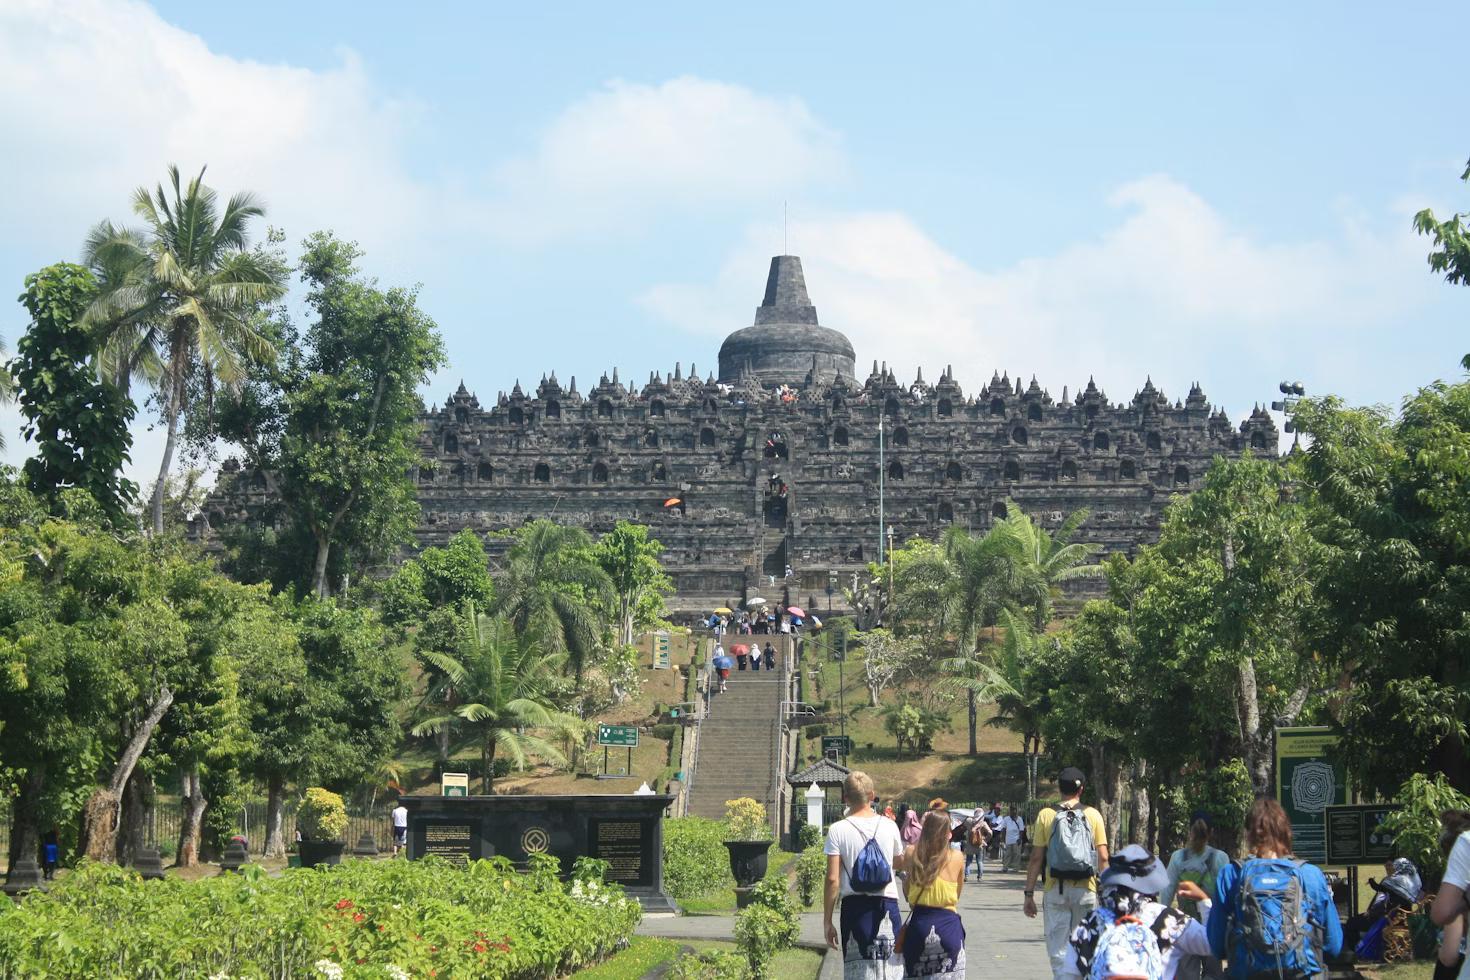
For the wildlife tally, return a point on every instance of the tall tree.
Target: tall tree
(492, 695)
(547, 590)
(352, 416)
(630, 558)
(1451, 254)
(1047, 558)
(77, 418)
(183, 307)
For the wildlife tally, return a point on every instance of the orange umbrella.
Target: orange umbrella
(740, 649)
(673, 502)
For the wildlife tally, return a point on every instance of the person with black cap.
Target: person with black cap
(1068, 844)
(1131, 933)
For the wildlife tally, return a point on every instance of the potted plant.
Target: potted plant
(748, 840)
(322, 820)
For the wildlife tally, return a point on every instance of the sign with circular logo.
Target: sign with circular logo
(535, 840)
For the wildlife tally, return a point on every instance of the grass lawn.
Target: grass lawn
(1420, 970)
(644, 954)
(722, 902)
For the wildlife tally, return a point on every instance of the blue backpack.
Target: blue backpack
(871, 870)
(1271, 920)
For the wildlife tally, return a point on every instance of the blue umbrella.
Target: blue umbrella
(723, 663)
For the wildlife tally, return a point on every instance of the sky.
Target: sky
(1208, 192)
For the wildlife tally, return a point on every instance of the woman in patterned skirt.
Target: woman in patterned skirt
(933, 940)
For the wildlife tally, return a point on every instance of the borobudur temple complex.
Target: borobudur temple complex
(777, 460)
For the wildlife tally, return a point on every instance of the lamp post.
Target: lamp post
(890, 563)
(1291, 393)
(881, 474)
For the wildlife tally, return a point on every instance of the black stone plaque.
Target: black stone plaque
(626, 831)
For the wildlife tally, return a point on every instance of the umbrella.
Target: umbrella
(796, 610)
(673, 502)
(739, 649)
(757, 601)
(723, 611)
(723, 663)
(816, 623)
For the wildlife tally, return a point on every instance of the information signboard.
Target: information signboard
(661, 650)
(621, 735)
(840, 744)
(1307, 783)
(454, 784)
(1354, 834)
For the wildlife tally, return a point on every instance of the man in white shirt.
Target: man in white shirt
(869, 920)
(1012, 829)
(400, 827)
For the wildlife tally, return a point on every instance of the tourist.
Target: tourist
(1129, 888)
(993, 818)
(1451, 958)
(50, 856)
(909, 824)
(1068, 845)
(770, 655)
(869, 922)
(1399, 889)
(722, 666)
(974, 842)
(935, 877)
(788, 575)
(1269, 869)
(1012, 833)
(1197, 861)
(742, 653)
(400, 827)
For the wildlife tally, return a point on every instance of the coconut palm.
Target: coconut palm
(1048, 558)
(545, 589)
(491, 695)
(178, 298)
(1019, 707)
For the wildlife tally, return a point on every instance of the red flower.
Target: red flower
(382, 928)
(479, 947)
(358, 917)
(346, 903)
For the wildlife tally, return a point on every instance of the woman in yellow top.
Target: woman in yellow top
(934, 938)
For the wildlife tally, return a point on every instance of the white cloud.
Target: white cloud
(1172, 290)
(631, 151)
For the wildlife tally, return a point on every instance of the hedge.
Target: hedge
(380, 919)
(696, 861)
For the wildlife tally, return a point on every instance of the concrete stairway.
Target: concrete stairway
(739, 741)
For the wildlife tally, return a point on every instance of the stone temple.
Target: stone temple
(777, 461)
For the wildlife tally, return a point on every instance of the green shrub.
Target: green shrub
(766, 926)
(321, 815)
(664, 731)
(363, 919)
(815, 731)
(808, 835)
(713, 965)
(811, 872)
(1416, 827)
(695, 860)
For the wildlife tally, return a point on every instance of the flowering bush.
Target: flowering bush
(746, 820)
(321, 815)
(388, 920)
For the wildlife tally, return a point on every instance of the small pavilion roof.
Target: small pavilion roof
(823, 772)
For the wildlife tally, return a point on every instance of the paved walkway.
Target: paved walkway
(999, 940)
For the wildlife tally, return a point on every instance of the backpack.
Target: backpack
(871, 871)
(1126, 950)
(979, 832)
(1270, 917)
(1070, 854)
(1200, 869)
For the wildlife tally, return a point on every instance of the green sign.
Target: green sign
(1307, 783)
(617, 735)
(1354, 835)
(841, 744)
(660, 651)
(839, 650)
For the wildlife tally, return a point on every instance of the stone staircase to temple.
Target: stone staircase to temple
(739, 739)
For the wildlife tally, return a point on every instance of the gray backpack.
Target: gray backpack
(1070, 854)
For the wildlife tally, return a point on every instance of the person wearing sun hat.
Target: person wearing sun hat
(1129, 887)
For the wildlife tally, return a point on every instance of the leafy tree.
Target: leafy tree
(491, 695)
(1451, 254)
(1047, 559)
(630, 558)
(886, 659)
(77, 419)
(430, 591)
(349, 441)
(1022, 704)
(179, 303)
(547, 590)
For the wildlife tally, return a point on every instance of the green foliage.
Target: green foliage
(77, 419)
(369, 919)
(321, 815)
(695, 860)
(439, 578)
(1451, 254)
(714, 964)
(1416, 827)
(913, 726)
(629, 557)
(808, 835)
(811, 870)
(1221, 789)
(549, 589)
(767, 926)
(745, 820)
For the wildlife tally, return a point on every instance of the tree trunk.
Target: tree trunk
(192, 801)
(139, 800)
(1139, 818)
(25, 825)
(872, 696)
(973, 715)
(488, 782)
(100, 814)
(275, 802)
(171, 410)
(319, 575)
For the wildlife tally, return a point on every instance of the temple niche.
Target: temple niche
(775, 460)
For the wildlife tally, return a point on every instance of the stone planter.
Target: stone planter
(317, 853)
(748, 860)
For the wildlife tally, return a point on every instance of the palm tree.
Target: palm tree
(178, 298)
(1049, 558)
(491, 695)
(1018, 706)
(546, 588)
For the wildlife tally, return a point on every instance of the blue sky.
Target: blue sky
(1212, 192)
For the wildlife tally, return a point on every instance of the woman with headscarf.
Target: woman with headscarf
(908, 824)
(1129, 889)
(933, 940)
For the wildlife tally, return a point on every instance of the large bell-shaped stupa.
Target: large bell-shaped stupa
(786, 343)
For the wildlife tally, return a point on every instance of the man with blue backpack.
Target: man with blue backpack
(1068, 845)
(864, 850)
(1275, 918)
